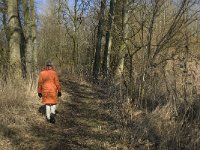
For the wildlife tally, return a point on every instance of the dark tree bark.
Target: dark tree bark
(22, 48)
(27, 34)
(33, 35)
(108, 43)
(5, 51)
(97, 61)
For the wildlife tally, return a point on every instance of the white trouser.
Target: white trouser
(50, 109)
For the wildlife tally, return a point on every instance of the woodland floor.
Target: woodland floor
(82, 123)
(87, 119)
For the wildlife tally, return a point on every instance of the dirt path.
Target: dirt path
(81, 123)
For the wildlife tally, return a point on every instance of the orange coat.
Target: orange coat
(49, 86)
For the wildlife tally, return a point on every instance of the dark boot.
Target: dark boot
(52, 119)
(48, 120)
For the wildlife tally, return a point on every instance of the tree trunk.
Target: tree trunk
(5, 25)
(33, 35)
(6, 52)
(75, 33)
(14, 39)
(120, 65)
(27, 33)
(108, 43)
(97, 61)
(22, 49)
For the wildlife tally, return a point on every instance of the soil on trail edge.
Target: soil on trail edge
(81, 122)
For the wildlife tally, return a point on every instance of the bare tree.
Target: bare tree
(5, 28)
(97, 60)
(33, 35)
(14, 39)
(106, 62)
(122, 47)
(27, 34)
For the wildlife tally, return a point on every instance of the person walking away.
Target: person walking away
(49, 90)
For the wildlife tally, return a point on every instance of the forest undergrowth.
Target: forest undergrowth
(158, 127)
(17, 113)
(90, 117)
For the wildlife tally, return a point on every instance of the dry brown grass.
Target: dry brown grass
(158, 129)
(168, 108)
(16, 113)
(135, 127)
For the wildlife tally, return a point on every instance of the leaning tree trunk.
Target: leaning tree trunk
(33, 36)
(22, 49)
(97, 61)
(14, 39)
(108, 43)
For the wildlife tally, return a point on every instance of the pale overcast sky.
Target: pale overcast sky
(41, 5)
